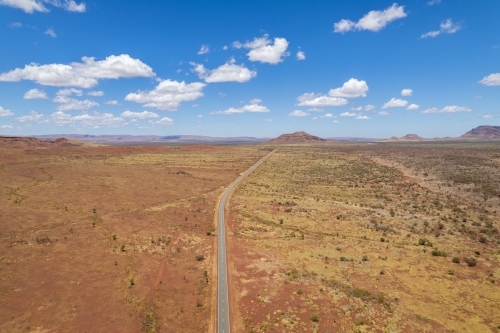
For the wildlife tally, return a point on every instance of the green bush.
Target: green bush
(456, 260)
(471, 262)
(314, 317)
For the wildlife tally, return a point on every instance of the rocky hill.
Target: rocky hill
(29, 142)
(297, 137)
(408, 137)
(483, 133)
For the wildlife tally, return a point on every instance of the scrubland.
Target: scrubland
(368, 238)
(111, 239)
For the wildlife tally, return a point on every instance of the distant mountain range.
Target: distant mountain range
(149, 138)
(297, 137)
(483, 132)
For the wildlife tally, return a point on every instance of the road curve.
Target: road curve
(222, 287)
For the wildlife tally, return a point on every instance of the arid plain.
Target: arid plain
(330, 237)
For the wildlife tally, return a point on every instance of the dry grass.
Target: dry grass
(84, 232)
(368, 234)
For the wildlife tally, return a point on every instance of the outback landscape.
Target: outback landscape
(324, 236)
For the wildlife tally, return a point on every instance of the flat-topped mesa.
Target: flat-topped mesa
(297, 137)
(483, 132)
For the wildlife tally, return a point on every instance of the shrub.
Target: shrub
(438, 253)
(299, 291)
(424, 242)
(314, 317)
(200, 257)
(471, 262)
(456, 260)
(365, 258)
(483, 240)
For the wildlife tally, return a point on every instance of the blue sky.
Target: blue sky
(253, 68)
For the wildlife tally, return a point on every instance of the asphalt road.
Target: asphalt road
(222, 288)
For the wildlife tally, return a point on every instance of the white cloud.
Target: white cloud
(168, 94)
(224, 47)
(298, 113)
(412, 107)
(243, 109)
(95, 93)
(229, 72)
(204, 49)
(448, 109)
(255, 101)
(328, 115)
(50, 32)
(384, 113)
(395, 103)
(336, 121)
(35, 94)
(162, 121)
(139, 115)
(315, 100)
(406, 92)
(351, 89)
(446, 27)
(84, 75)
(491, 80)
(368, 107)
(301, 55)
(33, 117)
(375, 20)
(113, 102)
(30, 6)
(488, 115)
(348, 114)
(199, 116)
(67, 104)
(69, 92)
(264, 50)
(15, 25)
(268, 120)
(97, 119)
(5, 113)
(433, 2)
(6, 127)
(361, 117)
(315, 110)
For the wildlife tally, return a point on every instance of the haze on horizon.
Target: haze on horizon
(371, 69)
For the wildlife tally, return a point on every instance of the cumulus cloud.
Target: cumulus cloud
(68, 104)
(168, 94)
(361, 117)
(229, 72)
(113, 102)
(298, 113)
(139, 115)
(412, 107)
(5, 113)
(243, 109)
(406, 92)
(69, 92)
(491, 80)
(162, 121)
(315, 110)
(50, 32)
(368, 107)
(433, 2)
(350, 89)
(384, 113)
(83, 74)
(6, 127)
(348, 114)
(94, 119)
(30, 6)
(315, 100)
(446, 27)
(301, 55)
(448, 109)
(95, 93)
(375, 20)
(255, 101)
(35, 94)
(204, 49)
(328, 115)
(395, 103)
(264, 50)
